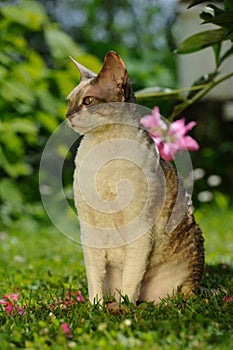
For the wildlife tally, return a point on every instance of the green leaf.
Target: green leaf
(224, 19)
(202, 81)
(60, 43)
(217, 51)
(24, 126)
(30, 14)
(226, 54)
(15, 90)
(216, 10)
(34, 69)
(9, 192)
(195, 2)
(48, 121)
(221, 200)
(48, 102)
(12, 142)
(3, 72)
(14, 170)
(228, 4)
(201, 40)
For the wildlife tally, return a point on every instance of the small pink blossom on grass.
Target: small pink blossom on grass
(66, 329)
(11, 296)
(77, 295)
(169, 139)
(71, 298)
(228, 299)
(9, 303)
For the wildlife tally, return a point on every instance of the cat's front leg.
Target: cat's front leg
(136, 260)
(95, 262)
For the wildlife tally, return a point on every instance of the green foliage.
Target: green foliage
(222, 18)
(195, 2)
(216, 221)
(35, 75)
(214, 38)
(228, 4)
(136, 30)
(202, 40)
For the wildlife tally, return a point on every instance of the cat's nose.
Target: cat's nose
(68, 113)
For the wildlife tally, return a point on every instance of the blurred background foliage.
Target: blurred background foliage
(36, 38)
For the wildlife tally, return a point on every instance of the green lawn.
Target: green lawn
(46, 271)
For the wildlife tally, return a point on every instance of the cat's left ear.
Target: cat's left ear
(113, 70)
(84, 72)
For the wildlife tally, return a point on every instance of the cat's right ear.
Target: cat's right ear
(113, 71)
(84, 72)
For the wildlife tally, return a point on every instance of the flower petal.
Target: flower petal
(148, 121)
(66, 329)
(177, 127)
(169, 140)
(153, 121)
(11, 296)
(189, 126)
(190, 143)
(20, 311)
(167, 151)
(80, 297)
(9, 308)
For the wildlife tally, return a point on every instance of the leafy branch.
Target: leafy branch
(223, 18)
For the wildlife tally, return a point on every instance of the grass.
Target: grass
(43, 268)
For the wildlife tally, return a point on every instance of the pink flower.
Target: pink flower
(71, 298)
(80, 297)
(74, 297)
(66, 329)
(169, 139)
(228, 299)
(9, 303)
(11, 296)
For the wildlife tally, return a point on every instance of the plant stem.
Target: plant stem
(140, 95)
(182, 106)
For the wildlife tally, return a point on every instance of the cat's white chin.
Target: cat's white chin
(70, 123)
(78, 128)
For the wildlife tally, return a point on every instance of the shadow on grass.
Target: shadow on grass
(218, 277)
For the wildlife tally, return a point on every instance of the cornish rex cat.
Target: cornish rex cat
(138, 233)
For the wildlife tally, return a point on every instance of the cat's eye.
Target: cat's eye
(88, 100)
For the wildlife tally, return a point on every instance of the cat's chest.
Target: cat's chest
(114, 190)
(105, 173)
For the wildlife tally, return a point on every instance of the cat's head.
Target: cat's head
(110, 85)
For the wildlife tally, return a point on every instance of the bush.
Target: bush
(35, 76)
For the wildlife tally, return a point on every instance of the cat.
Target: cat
(138, 233)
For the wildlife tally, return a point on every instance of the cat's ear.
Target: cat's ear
(84, 72)
(113, 70)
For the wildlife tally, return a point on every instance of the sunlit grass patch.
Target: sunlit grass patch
(47, 273)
